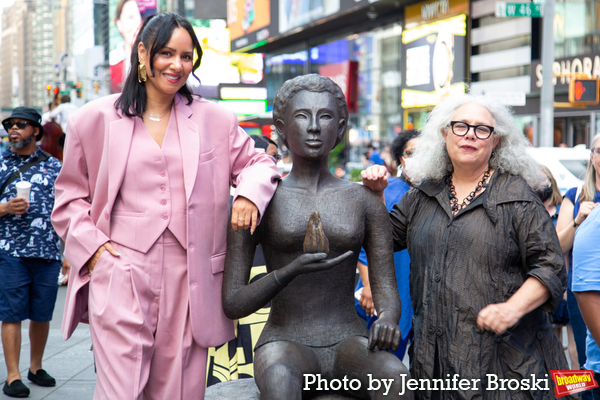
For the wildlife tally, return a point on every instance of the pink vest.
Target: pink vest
(152, 196)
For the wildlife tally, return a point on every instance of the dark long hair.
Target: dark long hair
(155, 32)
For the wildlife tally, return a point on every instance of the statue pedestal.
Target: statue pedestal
(246, 389)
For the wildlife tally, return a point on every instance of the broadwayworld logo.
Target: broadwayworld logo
(569, 382)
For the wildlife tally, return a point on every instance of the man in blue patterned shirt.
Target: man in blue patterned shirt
(29, 249)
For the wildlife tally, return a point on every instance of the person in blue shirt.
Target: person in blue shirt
(29, 249)
(402, 148)
(577, 204)
(586, 286)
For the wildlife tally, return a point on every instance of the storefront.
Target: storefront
(576, 51)
(572, 125)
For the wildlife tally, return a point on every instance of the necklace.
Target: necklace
(155, 117)
(454, 200)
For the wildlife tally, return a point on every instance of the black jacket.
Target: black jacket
(461, 264)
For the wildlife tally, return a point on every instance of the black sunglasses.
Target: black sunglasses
(460, 128)
(277, 157)
(9, 124)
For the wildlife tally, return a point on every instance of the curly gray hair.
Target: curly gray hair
(431, 161)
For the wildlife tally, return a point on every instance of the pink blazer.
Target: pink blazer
(216, 153)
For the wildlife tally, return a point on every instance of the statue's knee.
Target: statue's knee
(278, 378)
(390, 367)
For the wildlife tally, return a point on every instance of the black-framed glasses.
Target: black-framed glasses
(596, 151)
(407, 154)
(460, 128)
(276, 157)
(9, 124)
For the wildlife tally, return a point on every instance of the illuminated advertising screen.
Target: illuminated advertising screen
(247, 16)
(295, 13)
(435, 61)
(125, 17)
(220, 66)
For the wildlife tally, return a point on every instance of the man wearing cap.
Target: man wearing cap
(29, 248)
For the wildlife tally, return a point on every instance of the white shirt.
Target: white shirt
(61, 114)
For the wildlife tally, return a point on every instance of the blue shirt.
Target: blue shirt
(393, 193)
(31, 234)
(570, 194)
(586, 273)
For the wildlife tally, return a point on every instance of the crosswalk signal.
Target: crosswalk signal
(584, 91)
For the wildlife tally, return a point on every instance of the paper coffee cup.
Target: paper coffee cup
(23, 189)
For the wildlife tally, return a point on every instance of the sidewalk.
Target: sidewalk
(69, 362)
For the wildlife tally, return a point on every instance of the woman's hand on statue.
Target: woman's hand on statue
(498, 317)
(375, 178)
(585, 209)
(244, 214)
(91, 264)
(384, 334)
(314, 262)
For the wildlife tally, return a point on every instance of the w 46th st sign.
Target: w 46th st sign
(504, 9)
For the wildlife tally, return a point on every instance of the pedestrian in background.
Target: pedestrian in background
(29, 248)
(577, 204)
(486, 264)
(61, 113)
(142, 203)
(586, 286)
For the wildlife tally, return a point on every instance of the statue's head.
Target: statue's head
(311, 105)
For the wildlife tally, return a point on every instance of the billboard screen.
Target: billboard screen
(295, 13)
(220, 66)
(247, 16)
(435, 61)
(125, 17)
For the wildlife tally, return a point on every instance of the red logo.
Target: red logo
(569, 382)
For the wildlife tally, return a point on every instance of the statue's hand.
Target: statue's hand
(384, 334)
(314, 262)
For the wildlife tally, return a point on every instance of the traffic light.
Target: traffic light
(49, 89)
(78, 89)
(96, 87)
(56, 90)
(584, 91)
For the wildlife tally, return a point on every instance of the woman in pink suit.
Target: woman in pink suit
(142, 204)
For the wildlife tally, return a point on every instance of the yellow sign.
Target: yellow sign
(428, 11)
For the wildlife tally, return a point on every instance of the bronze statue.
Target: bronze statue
(313, 331)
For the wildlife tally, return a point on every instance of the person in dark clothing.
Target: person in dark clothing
(486, 264)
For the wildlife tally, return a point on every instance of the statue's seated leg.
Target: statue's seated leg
(374, 369)
(279, 368)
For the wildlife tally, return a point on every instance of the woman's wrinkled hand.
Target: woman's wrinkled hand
(91, 264)
(244, 214)
(385, 334)
(375, 178)
(498, 317)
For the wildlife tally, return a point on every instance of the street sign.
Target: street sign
(584, 91)
(504, 9)
(509, 98)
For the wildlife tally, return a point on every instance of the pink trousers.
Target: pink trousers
(141, 328)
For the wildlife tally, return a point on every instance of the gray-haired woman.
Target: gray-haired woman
(485, 259)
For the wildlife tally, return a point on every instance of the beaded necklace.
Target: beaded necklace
(454, 200)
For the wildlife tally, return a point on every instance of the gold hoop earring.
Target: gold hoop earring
(142, 73)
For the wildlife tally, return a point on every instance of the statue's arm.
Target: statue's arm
(240, 298)
(378, 245)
